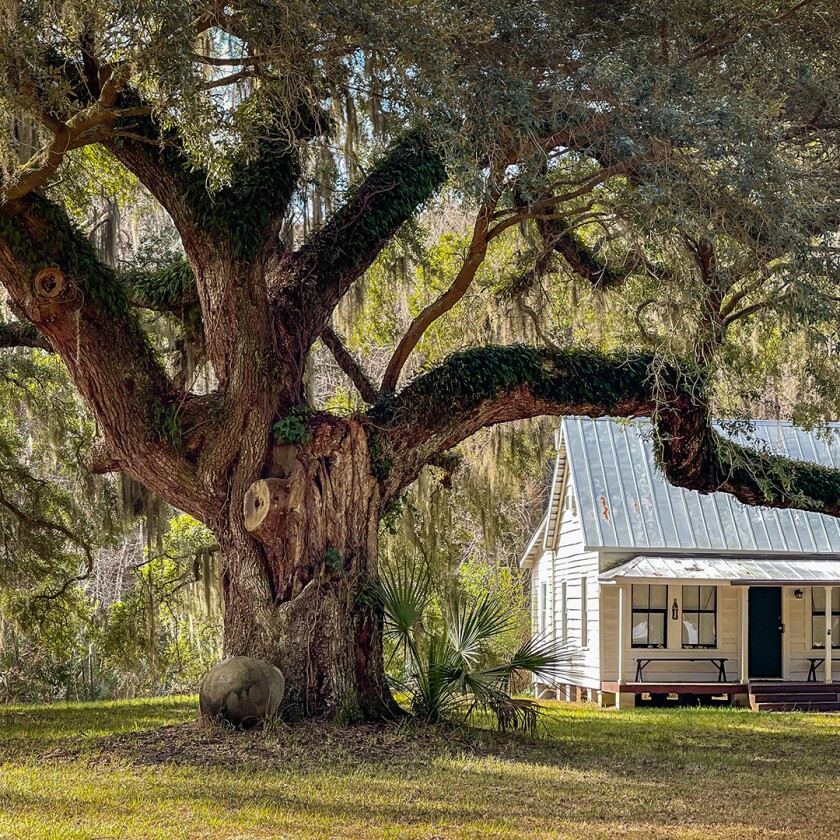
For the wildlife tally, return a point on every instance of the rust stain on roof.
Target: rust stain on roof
(604, 509)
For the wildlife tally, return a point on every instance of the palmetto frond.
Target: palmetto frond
(475, 625)
(540, 655)
(446, 671)
(404, 596)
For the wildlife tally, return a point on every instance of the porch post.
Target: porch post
(828, 634)
(745, 631)
(622, 613)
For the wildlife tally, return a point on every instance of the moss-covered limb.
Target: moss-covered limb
(242, 216)
(339, 253)
(693, 455)
(488, 385)
(163, 290)
(227, 234)
(22, 334)
(558, 236)
(39, 234)
(83, 311)
(483, 386)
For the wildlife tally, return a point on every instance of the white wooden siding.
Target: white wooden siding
(799, 639)
(570, 564)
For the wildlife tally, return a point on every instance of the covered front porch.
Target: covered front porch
(753, 630)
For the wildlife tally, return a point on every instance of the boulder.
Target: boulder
(241, 691)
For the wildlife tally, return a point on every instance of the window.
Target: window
(569, 503)
(584, 614)
(818, 617)
(650, 615)
(699, 616)
(543, 606)
(564, 615)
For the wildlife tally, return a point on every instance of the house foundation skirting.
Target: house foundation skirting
(712, 689)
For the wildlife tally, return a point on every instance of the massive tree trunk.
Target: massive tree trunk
(301, 556)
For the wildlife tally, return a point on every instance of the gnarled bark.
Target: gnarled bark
(315, 517)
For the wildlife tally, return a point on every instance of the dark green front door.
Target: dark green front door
(765, 629)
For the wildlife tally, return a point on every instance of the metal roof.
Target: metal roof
(726, 569)
(624, 501)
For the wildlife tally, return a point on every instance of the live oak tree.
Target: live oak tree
(656, 150)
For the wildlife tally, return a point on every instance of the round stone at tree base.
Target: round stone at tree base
(241, 691)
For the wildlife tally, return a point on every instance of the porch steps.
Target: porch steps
(794, 697)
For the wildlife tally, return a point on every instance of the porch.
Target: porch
(763, 631)
(762, 696)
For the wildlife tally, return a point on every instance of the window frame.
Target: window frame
(835, 637)
(663, 611)
(564, 614)
(698, 612)
(543, 606)
(584, 613)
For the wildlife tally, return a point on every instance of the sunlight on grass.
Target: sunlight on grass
(143, 769)
(61, 720)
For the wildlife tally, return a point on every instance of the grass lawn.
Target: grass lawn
(147, 769)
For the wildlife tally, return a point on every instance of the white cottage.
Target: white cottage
(663, 592)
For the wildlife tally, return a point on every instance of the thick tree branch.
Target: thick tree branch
(484, 386)
(557, 235)
(76, 302)
(243, 215)
(338, 254)
(227, 234)
(488, 385)
(695, 456)
(355, 372)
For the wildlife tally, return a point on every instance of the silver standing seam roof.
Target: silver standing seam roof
(734, 570)
(625, 502)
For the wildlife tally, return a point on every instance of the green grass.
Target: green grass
(147, 769)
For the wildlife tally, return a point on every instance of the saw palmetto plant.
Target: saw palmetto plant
(453, 670)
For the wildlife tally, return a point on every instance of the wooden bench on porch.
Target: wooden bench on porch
(816, 661)
(718, 662)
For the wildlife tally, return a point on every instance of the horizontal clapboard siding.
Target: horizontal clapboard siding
(567, 563)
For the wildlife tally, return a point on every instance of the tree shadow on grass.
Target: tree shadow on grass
(698, 773)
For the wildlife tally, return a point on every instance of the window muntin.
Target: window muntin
(649, 615)
(818, 617)
(699, 616)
